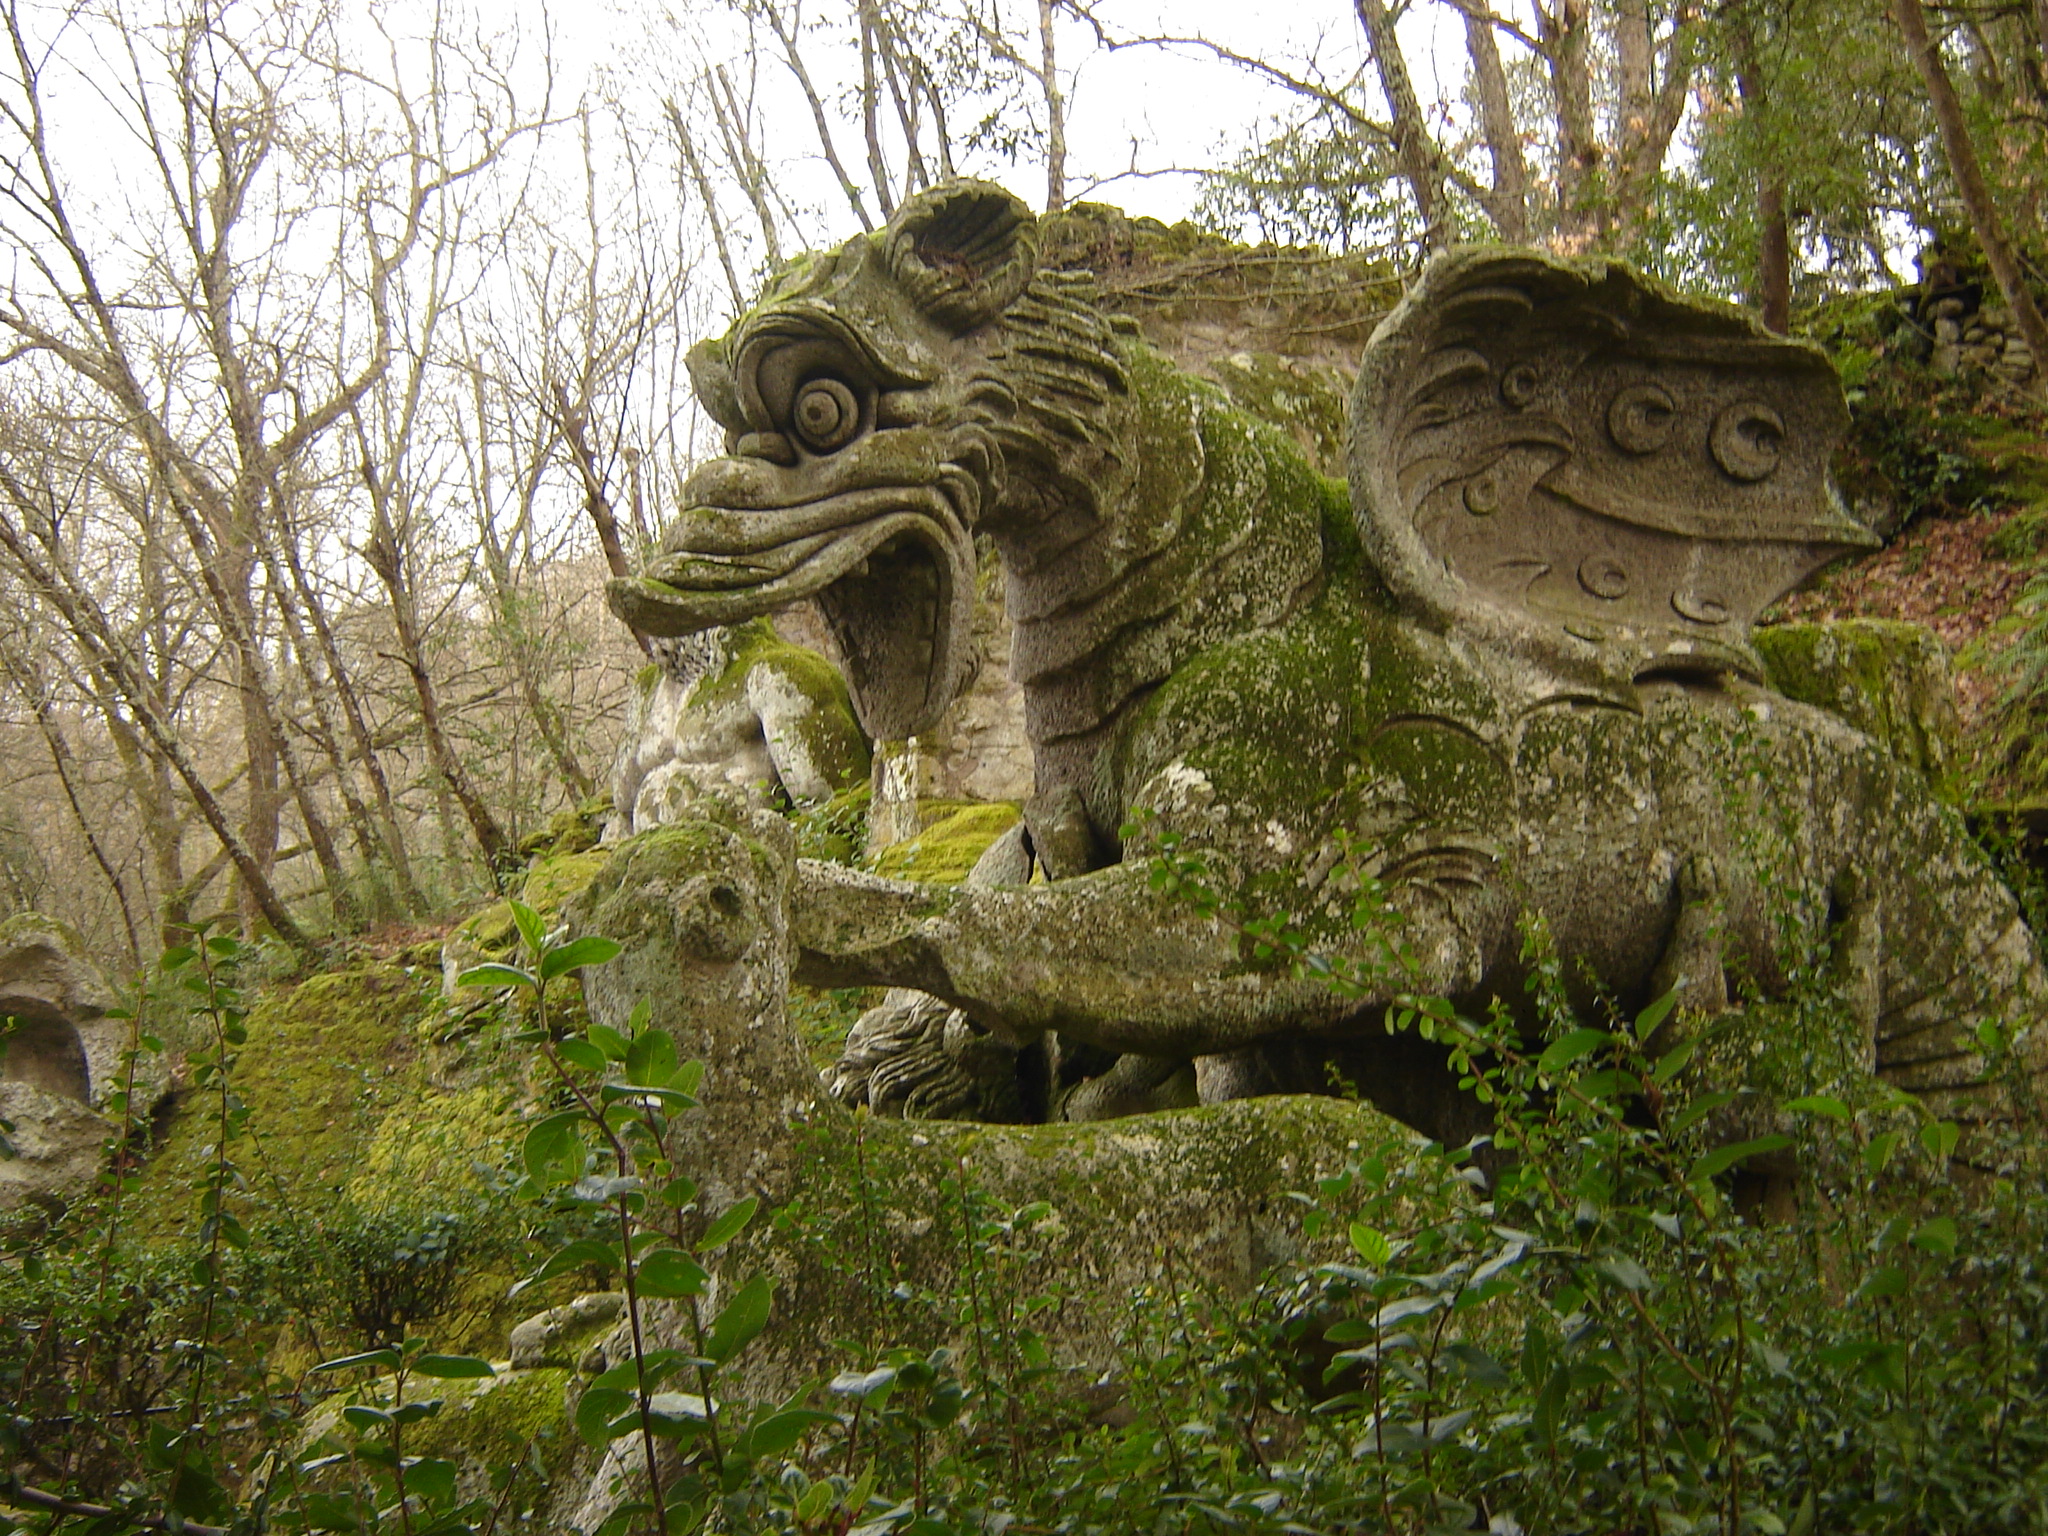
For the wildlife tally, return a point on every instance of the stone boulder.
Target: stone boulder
(62, 1058)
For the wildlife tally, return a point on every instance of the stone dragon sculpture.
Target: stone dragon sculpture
(1510, 668)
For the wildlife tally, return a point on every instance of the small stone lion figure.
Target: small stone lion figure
(916, 1058)
(736, 709)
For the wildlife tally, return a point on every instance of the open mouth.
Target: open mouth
(891, 570)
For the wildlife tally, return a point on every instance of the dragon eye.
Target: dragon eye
(825, 416)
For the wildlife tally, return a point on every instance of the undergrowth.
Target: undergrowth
(1605, 1317)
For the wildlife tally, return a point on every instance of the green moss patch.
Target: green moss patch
(948, 847)
(1889, 680)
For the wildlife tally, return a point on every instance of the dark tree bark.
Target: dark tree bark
(1961, 152)
(1414, 148)
(1508, 204)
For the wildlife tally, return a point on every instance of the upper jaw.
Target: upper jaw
(882, 539)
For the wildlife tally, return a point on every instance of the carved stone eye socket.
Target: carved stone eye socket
(1640, 418)
(1748, 440)
(825, 416)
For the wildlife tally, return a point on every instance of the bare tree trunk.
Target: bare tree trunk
(793, 56)
(65, 763)
(387, 558)
(1508, 206)
(1970, 183)
(362, 742)
(1566, 33)
(1774, 235)
(732, 118)
(1055, 112)
(870, 115)
(90, 628)
(687, 143)
(1421, 166)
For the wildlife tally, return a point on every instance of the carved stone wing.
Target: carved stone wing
(1592, 477)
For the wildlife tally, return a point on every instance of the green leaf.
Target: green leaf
(1550, 1404)
(1371, 1245)
(740, 1321)
(577, 953)
(624, 1093)
(1889, 1281)
(677, 1413)
(1563, 1052)
(670, 1273)
(1476, 1363)
(863, 1384)
(728, 1226)
(1697, 1110)
(453, 1367)
(382, 1359)
(1723, 1158)
(609, 1040)
(1818, 1104)
(1672, 1062)
(1939, 1137)
(362, 1416)
(779, 1432)
(596, 1410)
(431, 1479)
(1624, 1271)
(528, 922)
(553, 1151)
(651, 1059)
(1879, 1153)
(583, 1253)
(582, 1055)
(496, 975)
(1648, 1020)
(1937, 1236)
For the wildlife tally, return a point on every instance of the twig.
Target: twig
(56, 1503)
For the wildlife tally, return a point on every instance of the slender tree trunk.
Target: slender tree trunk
(870, 112)
(1970, 184)
(1774, 234)
(1565, 30)
(387, 558)
(687, 143)
(362, 742)
(97, 639)
(65, 762)
(1508, 206)
(1055, 112)
(1415, 150)
(793, 57)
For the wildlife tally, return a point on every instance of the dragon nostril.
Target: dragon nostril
(826, 415)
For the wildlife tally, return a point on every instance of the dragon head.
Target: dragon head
(868, 400)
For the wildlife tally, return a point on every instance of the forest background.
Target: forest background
(340, 346)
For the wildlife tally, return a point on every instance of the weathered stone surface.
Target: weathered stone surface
(58, 1143)
(701, 909)
(736, 709)
(563, 1335)
(1891, 681)
(1522, 679)
(62, 1057)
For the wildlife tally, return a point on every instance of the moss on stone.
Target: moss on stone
(1889, 680)
(347, 1126)
(946, 850)
(838, 829)
(547, 886)
(494, 1422)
